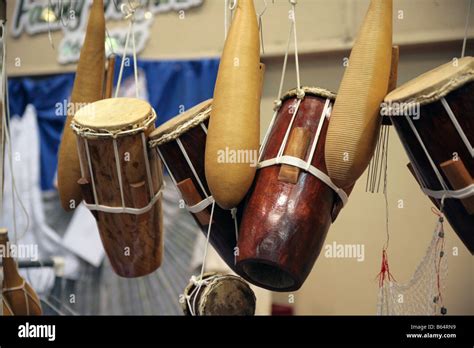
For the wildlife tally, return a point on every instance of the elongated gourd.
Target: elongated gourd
(234, 126)
(355, 120)
(88, 88)
(18, 296)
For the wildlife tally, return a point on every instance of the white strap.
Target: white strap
(446, 192)
(126, 210)
(326, 110)
(425, 150)
(197, 208)
(299, 163)
(457, 194)
(457, 126)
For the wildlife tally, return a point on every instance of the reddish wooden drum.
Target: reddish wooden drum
(434, 118)
(181, 143)
(292, 202)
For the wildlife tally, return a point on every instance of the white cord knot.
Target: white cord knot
(294, 2)
(233, 211)
(277, 105)
(197, 281)
(233, 5)
(129, 9)
(300, 93)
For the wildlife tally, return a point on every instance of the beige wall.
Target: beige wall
(326, 28)
(323, 25)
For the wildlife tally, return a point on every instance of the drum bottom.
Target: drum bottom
(267, 275)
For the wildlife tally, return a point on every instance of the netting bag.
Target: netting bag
(422, 294)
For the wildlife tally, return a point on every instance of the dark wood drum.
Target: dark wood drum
(292, 201)
(181, 144)
(434, 118)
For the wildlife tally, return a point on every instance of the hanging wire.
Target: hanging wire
(466, 30)
(260, 26)
(129, 13)
(50, 36)
(6, 119)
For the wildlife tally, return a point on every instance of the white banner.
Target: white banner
(41, 17)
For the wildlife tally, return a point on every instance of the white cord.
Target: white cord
(466, 30)
(293, 34)
(6, 132)
(129, 13)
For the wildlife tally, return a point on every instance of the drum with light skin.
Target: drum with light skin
(181, 144)
(218, 294)
(122, 181)
(434, 118)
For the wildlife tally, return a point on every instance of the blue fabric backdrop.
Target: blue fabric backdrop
(170, 84)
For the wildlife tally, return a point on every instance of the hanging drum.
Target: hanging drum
(292, 201)
(181, 144)
(121, 181)
(218, 294)
(433, 116)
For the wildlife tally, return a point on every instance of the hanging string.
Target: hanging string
(292, 33)
(466, 30)
(440, 254)
(6, 132)
(295, 38)
(199, 282)
(50, 36)
(129, 13)
(260, 26)
(226, 19)
(385, 270)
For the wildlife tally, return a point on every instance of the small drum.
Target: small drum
(433, 116)
(293, 201)
(122, 181)
(218, 294)
(181, 144)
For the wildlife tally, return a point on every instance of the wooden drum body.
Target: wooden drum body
(181, 144)
(292, 201)
(122, 181)
(434, 118)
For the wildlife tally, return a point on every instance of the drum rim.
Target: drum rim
(212, 286)
(219, 276)
(161, 136)
(442, 86)
(130, 129)
(314, 91)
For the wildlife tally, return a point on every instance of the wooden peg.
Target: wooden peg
(298, 143)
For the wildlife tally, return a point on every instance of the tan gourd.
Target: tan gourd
(235, 118)
(88, 88)
(355, 120)
(18, 296)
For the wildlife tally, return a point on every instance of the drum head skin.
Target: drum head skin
(181, 123)
(435, 84)
(223, 295)
(113, 114)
